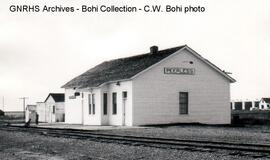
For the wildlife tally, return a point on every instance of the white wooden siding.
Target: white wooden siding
(92, 119)
(117, 119)
(41, 111)
(156, 95)
(73, 108)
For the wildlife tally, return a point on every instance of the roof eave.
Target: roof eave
(232, 80)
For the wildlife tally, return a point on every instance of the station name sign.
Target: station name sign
(178, 70)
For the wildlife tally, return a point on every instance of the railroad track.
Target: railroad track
(260, 150)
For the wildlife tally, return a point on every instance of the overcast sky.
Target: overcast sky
(39, 52)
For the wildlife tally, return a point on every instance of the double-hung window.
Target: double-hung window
(183, 103)
(114, 103)
(53, 109)
(105, 103)
(91, 104)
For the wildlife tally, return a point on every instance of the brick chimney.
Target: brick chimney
(153, 49)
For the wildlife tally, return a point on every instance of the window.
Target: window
(124, 94)
(93, 103)
(89, 104)
(53, 109)
(114, 103)
(105, 103)
(183, 102)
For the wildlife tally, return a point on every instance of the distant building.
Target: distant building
(52, 109)
(256, 105)
(31, 107)
(42, 112)
(246, 105)
(264, 104)
(175, 85)
(14, 114)
(30, 113)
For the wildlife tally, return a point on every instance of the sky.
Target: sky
(40, 52)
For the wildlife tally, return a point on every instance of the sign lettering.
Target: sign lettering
(177, 70)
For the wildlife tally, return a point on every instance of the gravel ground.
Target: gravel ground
(26, 146)
(254, 134)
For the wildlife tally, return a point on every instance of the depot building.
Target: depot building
(175, 85)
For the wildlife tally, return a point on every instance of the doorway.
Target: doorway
(53, 114)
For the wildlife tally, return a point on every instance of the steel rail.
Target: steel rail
(166, 142)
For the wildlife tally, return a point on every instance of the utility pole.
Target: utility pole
(24, 98)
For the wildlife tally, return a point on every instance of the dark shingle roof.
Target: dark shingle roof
(57, 97)
(267, 100)
(118, 69)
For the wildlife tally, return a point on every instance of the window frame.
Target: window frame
(93, 104)
(114, 103)
(53, 109)
(182, 104)
(105, 107)
(89, 104)
(124, 94)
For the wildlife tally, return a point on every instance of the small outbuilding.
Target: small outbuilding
(52, 109)
(175, 85)
(31, 113)
(264, 104)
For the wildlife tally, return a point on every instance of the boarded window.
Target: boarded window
(105, 103)
(114, 103)
(89, 104)
(93, 103)
(183, 102)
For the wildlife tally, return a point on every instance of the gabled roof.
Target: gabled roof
(267, 100)
(127, 68)
(57, 97)
(118, 69)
